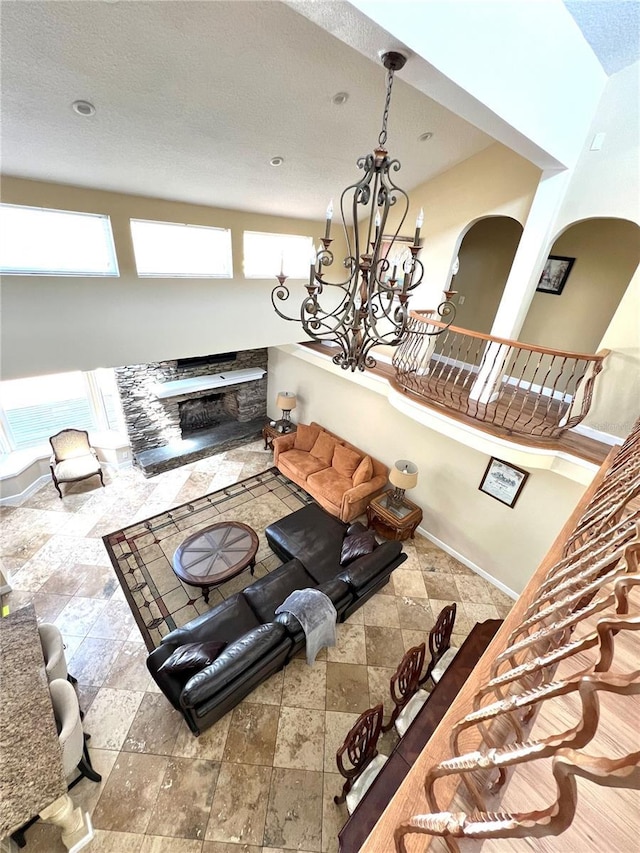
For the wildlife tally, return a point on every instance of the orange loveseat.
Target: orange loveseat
(342, 478)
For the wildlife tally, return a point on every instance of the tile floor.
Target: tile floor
(262, 779)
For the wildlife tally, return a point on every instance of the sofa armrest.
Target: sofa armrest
(360, 572)
(283, 443)
(234, 660)
(354, 500)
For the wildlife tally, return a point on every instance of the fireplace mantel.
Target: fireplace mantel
(180, 387)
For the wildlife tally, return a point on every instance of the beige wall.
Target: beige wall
(495, 182)
(506, 543)
(486, 255)
(55, 324)
(607, 182)
(607, 252)
(616, 401)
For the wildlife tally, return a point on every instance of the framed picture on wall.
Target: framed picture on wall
(503, 481)
(555, 274)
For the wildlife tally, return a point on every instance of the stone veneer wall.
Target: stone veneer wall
(154, 423)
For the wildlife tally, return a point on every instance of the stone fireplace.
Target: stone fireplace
(183, 410)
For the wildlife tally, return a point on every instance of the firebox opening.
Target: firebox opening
(202, 413)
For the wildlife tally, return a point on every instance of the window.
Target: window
(171, 250)
(39, 241)
(265, 255)
(36, 408)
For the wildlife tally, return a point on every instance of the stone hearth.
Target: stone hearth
(177, 413)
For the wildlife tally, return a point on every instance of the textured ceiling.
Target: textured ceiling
(612, 28)
(194, 98)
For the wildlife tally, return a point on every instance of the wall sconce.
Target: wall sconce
(403, 475)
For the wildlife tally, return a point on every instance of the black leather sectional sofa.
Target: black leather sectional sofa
(257, 642)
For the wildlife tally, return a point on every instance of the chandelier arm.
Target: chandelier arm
(280, 291)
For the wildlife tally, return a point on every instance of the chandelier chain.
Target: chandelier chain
(382, 138)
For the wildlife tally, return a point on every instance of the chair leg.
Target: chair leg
(85, 764)
(18, 835)
(55, 483)
(89, 772)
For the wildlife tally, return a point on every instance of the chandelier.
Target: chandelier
(370, 306)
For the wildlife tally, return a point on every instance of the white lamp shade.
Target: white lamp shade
(404, 474)
(286, 401)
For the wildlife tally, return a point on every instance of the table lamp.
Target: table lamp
(403, 475)
(286, 401)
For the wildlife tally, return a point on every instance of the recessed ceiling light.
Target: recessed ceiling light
(424, 137)
(340, 98)
(83, 108)
(276, 161)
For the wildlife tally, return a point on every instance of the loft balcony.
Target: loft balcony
(523, 393)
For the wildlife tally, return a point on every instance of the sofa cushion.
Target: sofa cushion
(364, 571)
(306, 437)
(304, 463)
(311, 535)
(238, 661)
(357, 545)
(364, 472)
(330, 485)
(192, 657)
(345, 460)
(267, 593)
(323, 447)
(226, 621)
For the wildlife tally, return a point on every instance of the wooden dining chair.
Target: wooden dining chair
(440, 645)
(358, 759)
(404, 687)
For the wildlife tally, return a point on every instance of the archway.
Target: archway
(606, 253)
(486, 254)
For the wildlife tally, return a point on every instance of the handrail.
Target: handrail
(422, 316)
(518, 388)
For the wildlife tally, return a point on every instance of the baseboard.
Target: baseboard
(16, 500)
(598, 435)
(468, 563)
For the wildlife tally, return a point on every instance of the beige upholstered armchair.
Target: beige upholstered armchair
(73, 458)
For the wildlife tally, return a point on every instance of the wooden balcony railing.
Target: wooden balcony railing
(519, 388)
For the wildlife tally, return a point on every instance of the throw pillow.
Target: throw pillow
(306, 437)
(323, 447)
(356, 546)
(345, 461)
(192, 657)
(364, 472)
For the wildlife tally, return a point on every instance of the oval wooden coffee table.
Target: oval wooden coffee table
(216, 554)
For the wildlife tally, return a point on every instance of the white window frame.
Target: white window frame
(209, 228)
(84, 273)
(280, 252)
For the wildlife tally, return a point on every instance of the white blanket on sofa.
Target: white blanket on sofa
(317, 616)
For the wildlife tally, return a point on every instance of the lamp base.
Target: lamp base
(396, 498)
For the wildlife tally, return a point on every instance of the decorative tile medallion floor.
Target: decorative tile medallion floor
(262, 779)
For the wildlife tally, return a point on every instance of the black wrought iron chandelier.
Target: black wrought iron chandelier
(370, 307)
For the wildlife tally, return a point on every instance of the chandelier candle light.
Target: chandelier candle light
(372, 306)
